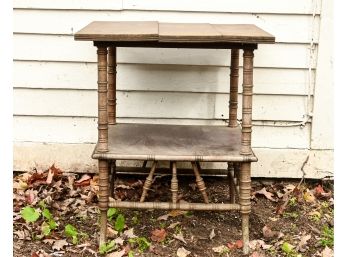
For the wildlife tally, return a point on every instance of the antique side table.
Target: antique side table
(174, 143)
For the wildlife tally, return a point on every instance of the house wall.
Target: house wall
(55, 96)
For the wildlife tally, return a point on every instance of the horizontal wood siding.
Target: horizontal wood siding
(55, 77)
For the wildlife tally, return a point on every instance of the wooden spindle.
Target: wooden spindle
(102, 100)
(112, 85)
(234, 74)
(103, 197)
(174, 183)
(148, 182)
(200, 182)
(244, 201)
(247, 101)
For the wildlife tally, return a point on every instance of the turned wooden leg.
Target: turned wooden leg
(230, 177)
(199, 181)
(244, 176)
(111, 85)
(112, 168)
(103, 198)
(174, 183)
(247, 101)
(233, 104)
(148, 182)
(102, 100)
(244, 200)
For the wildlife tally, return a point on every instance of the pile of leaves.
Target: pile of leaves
(56, 214)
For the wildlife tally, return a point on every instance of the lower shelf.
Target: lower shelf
(173, 142)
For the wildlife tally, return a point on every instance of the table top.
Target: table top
(173, 142)
(153, 31)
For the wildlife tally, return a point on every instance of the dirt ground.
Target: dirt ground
(289, 218)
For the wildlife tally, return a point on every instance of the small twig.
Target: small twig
(288, 194)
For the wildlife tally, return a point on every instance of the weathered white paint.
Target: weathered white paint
(53, 102)
(322, 127)
(82, 130)
(233, 6)
(55, 80)
(289, 28)
(155, 77)
(272, 162)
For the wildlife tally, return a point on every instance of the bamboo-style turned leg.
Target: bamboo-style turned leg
(148, 182)
(112, 178)
(236, 172)
(112, 85)
(233, 104)
(230, 177)
(199, 181)
(174, 183)
(247, 101)
(102, 100)
(244, 201)
(103, 198)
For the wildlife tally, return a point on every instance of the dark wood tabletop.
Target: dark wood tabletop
(147, 31)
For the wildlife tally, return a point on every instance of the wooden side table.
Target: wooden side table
(195, 144)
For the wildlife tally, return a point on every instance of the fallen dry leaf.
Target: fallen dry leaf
(173, 225)
(212, 234)
(180, 237)
(220, 249)
(269, 233)
(182, 252)
(129, 233)
(173, 213)
(236, 245)
(116, 254)
(267, 194)
(327, 252)
(158, 235)
(257, 254)
(303, 243)
(49, 177)
(59, 244)
(308, 196)
(83, 181)
(258, 244)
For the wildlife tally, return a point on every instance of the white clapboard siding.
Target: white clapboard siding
(82, 130)
(64, 48)
(233, 6)
(286, 28)
(154, 77)
(153, 104)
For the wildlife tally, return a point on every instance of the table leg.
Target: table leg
(112, 168)
(112, 85)
(234, 74)
(103, 198)
(244, 176)
(199, 181)
(102, 100)
(148, 182)
(247, 101)
(174, 183)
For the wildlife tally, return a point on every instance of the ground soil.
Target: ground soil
(195, 226)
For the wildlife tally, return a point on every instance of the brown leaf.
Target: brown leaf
(83, 181)
(49, 177)
(303, 243)
(158, 235)
(59, 244)
(182, 252)
(180, 237)
(268, 233)
(212, 234)
(327, 252)
(238, 244)
(257, 254)
(320, 193)
(267, 194)
(308, 196)
(259, 244)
